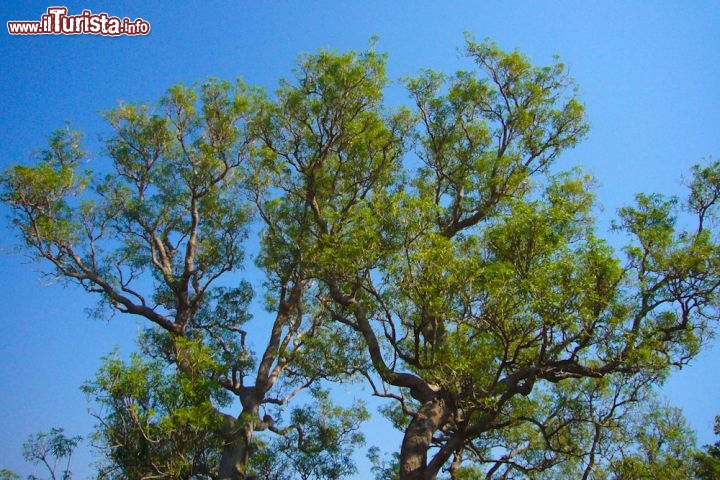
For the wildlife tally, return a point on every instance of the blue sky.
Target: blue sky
(647, 71)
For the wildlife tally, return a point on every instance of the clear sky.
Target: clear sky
(647, 71)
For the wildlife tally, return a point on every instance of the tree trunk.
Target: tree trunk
(235, 454)
(418, 437)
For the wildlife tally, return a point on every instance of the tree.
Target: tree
(477, 282)
(434, 250)
(51, 449)
(158, 236)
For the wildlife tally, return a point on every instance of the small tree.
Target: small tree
(53, 450)
(6, 474)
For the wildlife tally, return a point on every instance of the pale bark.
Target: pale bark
(235, 454)
(417, 440)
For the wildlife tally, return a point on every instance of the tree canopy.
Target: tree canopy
(435, 251)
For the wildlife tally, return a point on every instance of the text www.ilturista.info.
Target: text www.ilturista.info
(57, 22)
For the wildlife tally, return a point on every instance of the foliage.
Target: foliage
(383, 468)
(490, 310)
(155, 421)
(319, 445)
(6, 474)
(436, 251)
(663, 447)
(323, 439)
(158, 237)
(707, 463)
(51, 449)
